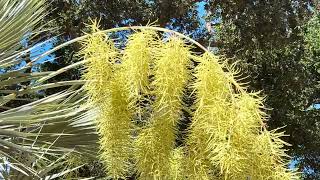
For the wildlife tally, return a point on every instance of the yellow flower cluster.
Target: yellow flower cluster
(228, 139)
(108, 93)
(156, 141)
(138, 93)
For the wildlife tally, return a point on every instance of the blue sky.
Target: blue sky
(201, 12)
(37, 50)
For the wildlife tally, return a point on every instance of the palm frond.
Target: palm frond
(18, 18)
(34, 137)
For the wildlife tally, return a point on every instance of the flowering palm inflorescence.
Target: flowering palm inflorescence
(139, 94)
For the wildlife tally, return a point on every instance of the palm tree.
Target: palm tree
(127, 108)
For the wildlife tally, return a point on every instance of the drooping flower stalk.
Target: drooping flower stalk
(100, 55)
(108, 93)
(156, 142)
(115, 129)
(212, 113)
(227, 130)
(137, 61)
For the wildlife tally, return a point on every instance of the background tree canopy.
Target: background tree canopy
(276, 42)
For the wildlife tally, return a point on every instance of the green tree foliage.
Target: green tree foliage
(227, 137)
(277, 50)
